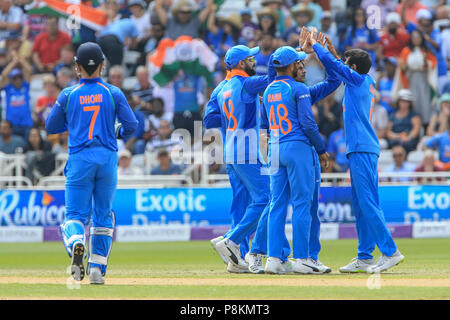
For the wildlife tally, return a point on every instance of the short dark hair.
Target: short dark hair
(280, 69)
(360, 58)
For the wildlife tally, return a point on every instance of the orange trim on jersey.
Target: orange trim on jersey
(236, 72)
(78, 87)
(103, 85)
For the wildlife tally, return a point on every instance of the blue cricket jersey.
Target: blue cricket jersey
(238, 100)
(17, 106)
(89, 110)
(442, 142)
(358, 104)
(288, 114)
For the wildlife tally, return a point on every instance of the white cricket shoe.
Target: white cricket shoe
(231, 252)
(288, 266)
(357, 265)
(232, 268)
(319, 265)
(95, 276)
(214, 243)
(274, 266)
(386, 262)
(309, 266)
(254, 261)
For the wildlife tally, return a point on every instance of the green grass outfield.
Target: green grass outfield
(192, 270)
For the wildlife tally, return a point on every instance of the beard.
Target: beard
(249, 70)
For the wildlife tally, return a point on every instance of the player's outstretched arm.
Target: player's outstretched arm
(56, 120)
(125, 115)
(213, 116)
(336, 66)
(256, 84)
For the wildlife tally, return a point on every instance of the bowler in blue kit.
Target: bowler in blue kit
(88, 110)
(363, 150)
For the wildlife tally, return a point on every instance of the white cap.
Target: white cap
(405, 94)
(423, 14)
(125, 153)
(393, 17)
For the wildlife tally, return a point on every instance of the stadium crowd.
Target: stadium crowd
(409, 43)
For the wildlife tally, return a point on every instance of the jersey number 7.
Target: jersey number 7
(96, 109)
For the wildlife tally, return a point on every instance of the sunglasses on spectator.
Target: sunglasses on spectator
(397, 155)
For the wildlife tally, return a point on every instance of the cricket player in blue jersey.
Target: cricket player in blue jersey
(238, 100)
(363, 150)
(88, 110)
(287, 113)
(213, 119)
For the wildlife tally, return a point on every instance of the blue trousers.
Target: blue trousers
(241, 199)
(314, 241)
(258, 188)
(295, 180)
(370, 223)
(91, 180)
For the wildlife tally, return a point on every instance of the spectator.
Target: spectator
(165, 167)
(330, 114)
(142, 93)
(65, 78)
(67, 54)
(157, 34)
(116, 78)
(302, 16)
(11, 18)
(429, 164)
(15, 45)
(262, 58)
(438, 122)
(386, 82)
(188, 95)
(267, 22)
(441, 141)
(61, 146)
(4, 59)
(404, 124)
(329, 27)
(433, 42)
(158, 114)
(316, 9)
(38, 156)
(183, 21)
(124, 167)
(45, 103)
(223, 33)
(119, 32)
(380, 121)
(416, 62)
(163, 139)
(394, 37)
(47, 46)
(249, 29)
(15, 82)
(337, 149)
(221, 71)
(141, 19)
(10, 143)
(400, 164)
(360, 36)
(408, 9)
(284, 20)
(34, 24)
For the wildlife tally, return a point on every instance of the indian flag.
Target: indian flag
(72, 9)
(191, 55)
